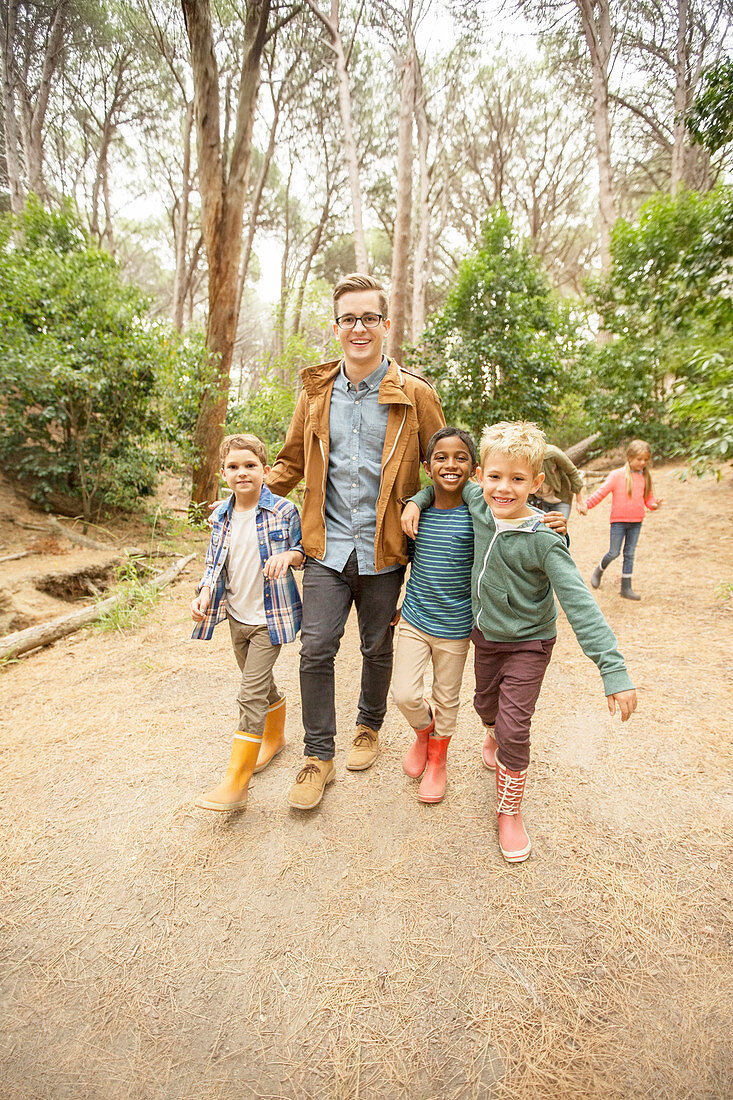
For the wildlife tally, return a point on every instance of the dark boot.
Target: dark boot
(595, 581)
(626, 590)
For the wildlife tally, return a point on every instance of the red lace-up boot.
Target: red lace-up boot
(513, 839)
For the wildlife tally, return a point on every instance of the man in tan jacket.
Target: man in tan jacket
(358, 435)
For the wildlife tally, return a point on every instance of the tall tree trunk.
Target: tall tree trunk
(180, 224)
(315, 245)
(33, 113)
(596, 23)
(331, 23)
(420, 264)
(681, 85)
(401, 240)
(222, 198)
(100, 180)
(254, 211)
(10, 119)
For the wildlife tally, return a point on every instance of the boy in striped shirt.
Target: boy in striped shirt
(436, 618)
(255, 542)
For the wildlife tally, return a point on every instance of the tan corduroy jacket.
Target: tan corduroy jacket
(414, 414)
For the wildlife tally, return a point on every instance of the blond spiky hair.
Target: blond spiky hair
(517, 438)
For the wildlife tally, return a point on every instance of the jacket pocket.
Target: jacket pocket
(500, 604)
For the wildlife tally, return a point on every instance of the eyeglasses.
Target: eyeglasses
(368, 320)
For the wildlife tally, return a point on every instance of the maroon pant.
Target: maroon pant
(509, 676)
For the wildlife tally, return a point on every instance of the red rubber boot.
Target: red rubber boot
(432, 787)
(416, 757)
(513, 839)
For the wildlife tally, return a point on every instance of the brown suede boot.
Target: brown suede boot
(310, 783)
(231, 794)
(513, 839)
(364, 749)
(432, 787)
(416, 757)
(273, 737)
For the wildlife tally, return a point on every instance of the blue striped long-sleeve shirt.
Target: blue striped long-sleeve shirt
(438, 592)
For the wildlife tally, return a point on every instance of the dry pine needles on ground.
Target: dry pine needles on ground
(377, 947)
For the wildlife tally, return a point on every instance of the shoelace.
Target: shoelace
(306, 772)
(365, 735)
(511, 794)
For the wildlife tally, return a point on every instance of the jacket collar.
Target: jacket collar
(267, 501)
(391, 389)
(528, 527)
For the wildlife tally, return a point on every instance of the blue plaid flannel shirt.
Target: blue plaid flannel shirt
(278, 529)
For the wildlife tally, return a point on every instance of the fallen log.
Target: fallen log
(579, 451)
(23, 641)
(73, 536)
(16, 557)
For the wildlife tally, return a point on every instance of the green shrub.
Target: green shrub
(498, 349)
(78, 360)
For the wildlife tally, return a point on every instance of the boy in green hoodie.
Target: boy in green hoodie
(518, 564)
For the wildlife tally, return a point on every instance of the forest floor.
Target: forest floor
(375, 947)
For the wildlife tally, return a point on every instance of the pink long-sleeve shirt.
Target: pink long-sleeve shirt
(624, 508)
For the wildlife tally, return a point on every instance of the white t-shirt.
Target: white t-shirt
(245, 591)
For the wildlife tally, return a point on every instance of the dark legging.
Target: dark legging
(626, 535)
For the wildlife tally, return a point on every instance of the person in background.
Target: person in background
(631, 495)
(562, 479)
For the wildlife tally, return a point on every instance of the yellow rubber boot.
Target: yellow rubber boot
(231, 794)
(273, 737)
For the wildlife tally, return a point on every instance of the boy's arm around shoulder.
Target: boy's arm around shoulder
(594, 635)
(289, 466)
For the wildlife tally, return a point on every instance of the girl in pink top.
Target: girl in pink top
(631, 489)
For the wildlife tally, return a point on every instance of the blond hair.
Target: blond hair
(635, 449)
(516, 438)
(251, 443)
(347, 284)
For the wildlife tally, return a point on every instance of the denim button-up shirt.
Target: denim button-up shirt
(357, 426)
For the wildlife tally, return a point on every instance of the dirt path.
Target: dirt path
(377, 947)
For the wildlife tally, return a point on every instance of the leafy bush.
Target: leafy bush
(78, 358)
(666, 300)
(498, 350)
(704, 405)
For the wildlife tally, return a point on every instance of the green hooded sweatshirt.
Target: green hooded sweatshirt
(517, 572)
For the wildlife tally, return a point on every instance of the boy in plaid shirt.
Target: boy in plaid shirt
(255, 543)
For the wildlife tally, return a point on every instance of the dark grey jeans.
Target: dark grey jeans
(327, 600)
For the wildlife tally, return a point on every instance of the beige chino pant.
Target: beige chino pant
(412, 652)
(256, 656)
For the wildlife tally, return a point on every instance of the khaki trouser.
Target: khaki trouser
(256, 656)
(412, 652)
